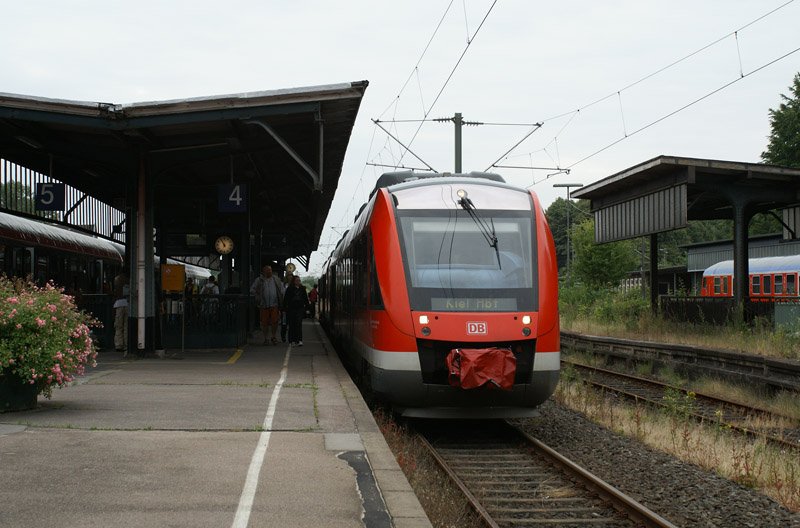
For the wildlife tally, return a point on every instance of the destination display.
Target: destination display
(474, 304)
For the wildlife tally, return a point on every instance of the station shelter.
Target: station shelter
(225, 182)
(666, 192)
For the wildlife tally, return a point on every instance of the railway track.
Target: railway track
(513, 480)
(749, 420)
(769, 373)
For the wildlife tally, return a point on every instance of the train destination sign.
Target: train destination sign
(476, 304)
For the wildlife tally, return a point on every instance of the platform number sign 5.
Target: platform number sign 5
(232, 198)
(49, 197)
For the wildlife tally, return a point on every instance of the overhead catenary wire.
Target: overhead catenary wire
(414, 70)
(673, 63)
(618, 93)
(684, 107)
(450, 76)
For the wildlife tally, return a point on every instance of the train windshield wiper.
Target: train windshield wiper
(487, 231)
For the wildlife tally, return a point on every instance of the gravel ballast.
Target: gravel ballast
(683, 493)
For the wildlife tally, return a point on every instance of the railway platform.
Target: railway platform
(258, 436)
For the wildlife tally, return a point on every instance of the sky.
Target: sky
(606, 80)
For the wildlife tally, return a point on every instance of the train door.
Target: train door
(766, 281)
(791, 284)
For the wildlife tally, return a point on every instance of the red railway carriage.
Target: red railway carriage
(440, 262)
(771, 278)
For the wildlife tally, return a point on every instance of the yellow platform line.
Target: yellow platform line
(236, 355)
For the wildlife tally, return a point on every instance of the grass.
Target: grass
(709, 445)
(610, 312)
(782, 403)
(760, 340)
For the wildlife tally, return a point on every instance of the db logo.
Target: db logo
(477, 328)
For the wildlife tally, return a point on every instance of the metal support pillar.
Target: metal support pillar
(142, 265)
(741, 266)
(654, 273)
(459, 121)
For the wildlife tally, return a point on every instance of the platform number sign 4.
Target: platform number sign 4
(50, 196)
(232, 198)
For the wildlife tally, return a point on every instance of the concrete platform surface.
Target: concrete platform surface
(266, 436)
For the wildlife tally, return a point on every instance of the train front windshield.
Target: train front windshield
(451, 265)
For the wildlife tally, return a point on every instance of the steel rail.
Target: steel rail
(636, 510)
(698, 416)
(509, 467)
(776, 373)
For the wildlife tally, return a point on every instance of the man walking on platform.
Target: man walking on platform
(268, 292)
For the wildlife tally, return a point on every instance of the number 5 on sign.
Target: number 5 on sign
(232, 198)
(49, 197)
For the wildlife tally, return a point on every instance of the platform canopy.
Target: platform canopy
(285, 148)
(666, 192)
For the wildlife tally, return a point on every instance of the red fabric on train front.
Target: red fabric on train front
(470, 368)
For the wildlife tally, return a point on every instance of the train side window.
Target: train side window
(756, 279)
(767, 284)
(375, 297)
(724, 285)
(716, 285)
(791, 279)
(778, 284)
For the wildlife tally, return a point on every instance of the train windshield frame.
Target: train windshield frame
(450, 265)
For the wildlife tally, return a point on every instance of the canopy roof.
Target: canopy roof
(287, 146)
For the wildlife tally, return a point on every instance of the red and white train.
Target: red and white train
(439, 262)
(771, 278)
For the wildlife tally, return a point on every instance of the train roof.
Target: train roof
(394, 178)
(34, 232)
(784, 264)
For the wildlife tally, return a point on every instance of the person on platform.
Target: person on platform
(268, 293)
(313, 295)
(287, 280)
(211, 287)
(295, 302)
(121, 292)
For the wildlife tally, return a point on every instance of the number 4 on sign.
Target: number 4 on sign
(232, 198)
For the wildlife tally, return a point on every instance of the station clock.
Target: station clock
(223, 245)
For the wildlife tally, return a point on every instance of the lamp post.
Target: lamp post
(569, 205)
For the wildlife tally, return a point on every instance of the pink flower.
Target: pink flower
(40, 322)
(54, 318)
(19, 326)
(52, 307)
(13, 300)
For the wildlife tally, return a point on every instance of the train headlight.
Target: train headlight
(526, 331)
(526, 319)
(426, 331)
(423, 319)
(461, 193)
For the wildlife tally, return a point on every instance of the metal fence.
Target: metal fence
(695, 309)
(18, 191)
(205, 321)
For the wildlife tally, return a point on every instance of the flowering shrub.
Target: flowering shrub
(44, 338)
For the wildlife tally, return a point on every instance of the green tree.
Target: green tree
(784, 140)
(601, 265)
(556, 216)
